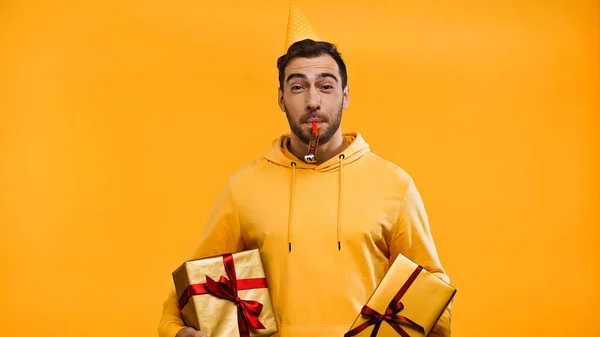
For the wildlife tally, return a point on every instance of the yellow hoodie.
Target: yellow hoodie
(327, 234)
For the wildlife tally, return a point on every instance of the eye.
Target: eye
(327, 87)
(296, 87)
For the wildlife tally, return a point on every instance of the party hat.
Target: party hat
(298, 28)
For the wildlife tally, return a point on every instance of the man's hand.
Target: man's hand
(190, 332)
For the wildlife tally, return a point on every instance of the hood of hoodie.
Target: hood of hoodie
(280, 154)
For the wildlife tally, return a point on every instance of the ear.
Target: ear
(346, 95)
(280, 99)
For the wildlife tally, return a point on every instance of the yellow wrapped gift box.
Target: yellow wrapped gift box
(408, 302)
(226, 295)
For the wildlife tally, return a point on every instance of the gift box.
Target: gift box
(226, 295)
(408, 302)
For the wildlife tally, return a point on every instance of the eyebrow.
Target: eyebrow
(298, 75)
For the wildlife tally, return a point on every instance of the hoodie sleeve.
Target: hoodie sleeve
(412, 238)
(221, 234)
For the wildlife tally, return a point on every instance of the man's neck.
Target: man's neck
(324, 151)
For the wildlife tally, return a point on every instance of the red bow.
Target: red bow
(248, 311)
(390, 315)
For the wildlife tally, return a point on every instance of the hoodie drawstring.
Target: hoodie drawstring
(290, 215)
(339, 210)
(339, 214)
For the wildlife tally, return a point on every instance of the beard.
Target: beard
(324, 136)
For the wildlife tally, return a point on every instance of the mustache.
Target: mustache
(306, 117)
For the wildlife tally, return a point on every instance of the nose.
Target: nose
(313, 99)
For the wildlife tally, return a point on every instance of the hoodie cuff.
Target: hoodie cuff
(170, 330)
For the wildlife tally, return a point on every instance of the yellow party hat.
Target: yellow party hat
(298, 28)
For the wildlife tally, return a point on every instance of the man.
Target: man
(327, 231)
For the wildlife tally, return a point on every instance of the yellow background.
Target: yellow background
(121, 120)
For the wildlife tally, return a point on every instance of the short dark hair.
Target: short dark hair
(309, 48)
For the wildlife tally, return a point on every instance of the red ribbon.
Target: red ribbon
(248, 311)
(391, 313)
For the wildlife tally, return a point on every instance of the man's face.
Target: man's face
(312, 91)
